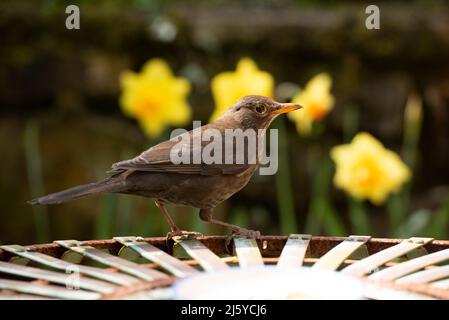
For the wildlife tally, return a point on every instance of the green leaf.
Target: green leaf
(415, 224)
(396, 211)
(106, 218)
(332, 222)
(438, 225)
(288, 220)
(322, 214)
(358, 216)
(239, 217)
(36, 184)
(196, 223)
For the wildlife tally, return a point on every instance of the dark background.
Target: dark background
(61, 125)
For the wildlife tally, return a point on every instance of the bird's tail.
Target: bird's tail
(111, 184)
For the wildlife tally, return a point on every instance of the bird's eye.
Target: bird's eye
(260, 108)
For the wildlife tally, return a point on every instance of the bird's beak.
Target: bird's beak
(287, 107)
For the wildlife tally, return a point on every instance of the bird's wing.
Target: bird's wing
(157, 159)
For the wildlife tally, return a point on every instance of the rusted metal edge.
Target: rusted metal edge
(270, 246)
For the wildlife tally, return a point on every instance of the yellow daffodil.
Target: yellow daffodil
(317, 101)
(247, 79)
(155, 97)
(366, 170)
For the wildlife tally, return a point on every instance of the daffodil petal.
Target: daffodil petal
(247, 79)
(155, 97)
(366, 170)
(317, 101)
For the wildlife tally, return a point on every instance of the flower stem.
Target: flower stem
(351, 122)
(397, 204)
(322, 214)
(125, 204)
(437, 228)
(154, 223)
(358, 216)
(239, 216)
(34, 171)
(288, 221)
(196, 224)
(104, 225)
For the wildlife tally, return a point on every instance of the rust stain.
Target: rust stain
(270, 248)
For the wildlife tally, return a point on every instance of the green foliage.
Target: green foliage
(358, 217)
(35, 181)
(284, 190)
(322, 213)
(105, 221)
(414, 225)
(439, 223)
(239, 217)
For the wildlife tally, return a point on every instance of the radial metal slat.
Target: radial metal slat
(374, 261)
(335, 257)
(208, 260)
(442, 284)
(48, 290)
(22, 296)
(151, 253)
(49, 261)
(67, 279)
(379, 292)
(248, 252)
(294, 251)
(425, 276)
(113, 261)
(404, 268)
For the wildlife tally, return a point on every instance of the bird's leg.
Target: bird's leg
(175, 231)
(171, 223)
(206, 216)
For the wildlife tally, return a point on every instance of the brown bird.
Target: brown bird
(202, 185)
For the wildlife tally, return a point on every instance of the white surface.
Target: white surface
(269, 283)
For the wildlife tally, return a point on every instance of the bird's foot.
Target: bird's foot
(178, 235)
(246, 233)
(241, 232)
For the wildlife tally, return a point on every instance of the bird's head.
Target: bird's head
(257, 112)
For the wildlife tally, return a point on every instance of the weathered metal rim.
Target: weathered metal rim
(270, 246)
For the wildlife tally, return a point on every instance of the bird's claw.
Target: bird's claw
(241, 232)
(246, 233)
(180, 235)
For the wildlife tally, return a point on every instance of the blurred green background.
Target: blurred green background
(61, 125)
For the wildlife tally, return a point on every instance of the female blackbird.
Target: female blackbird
(200, 184)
